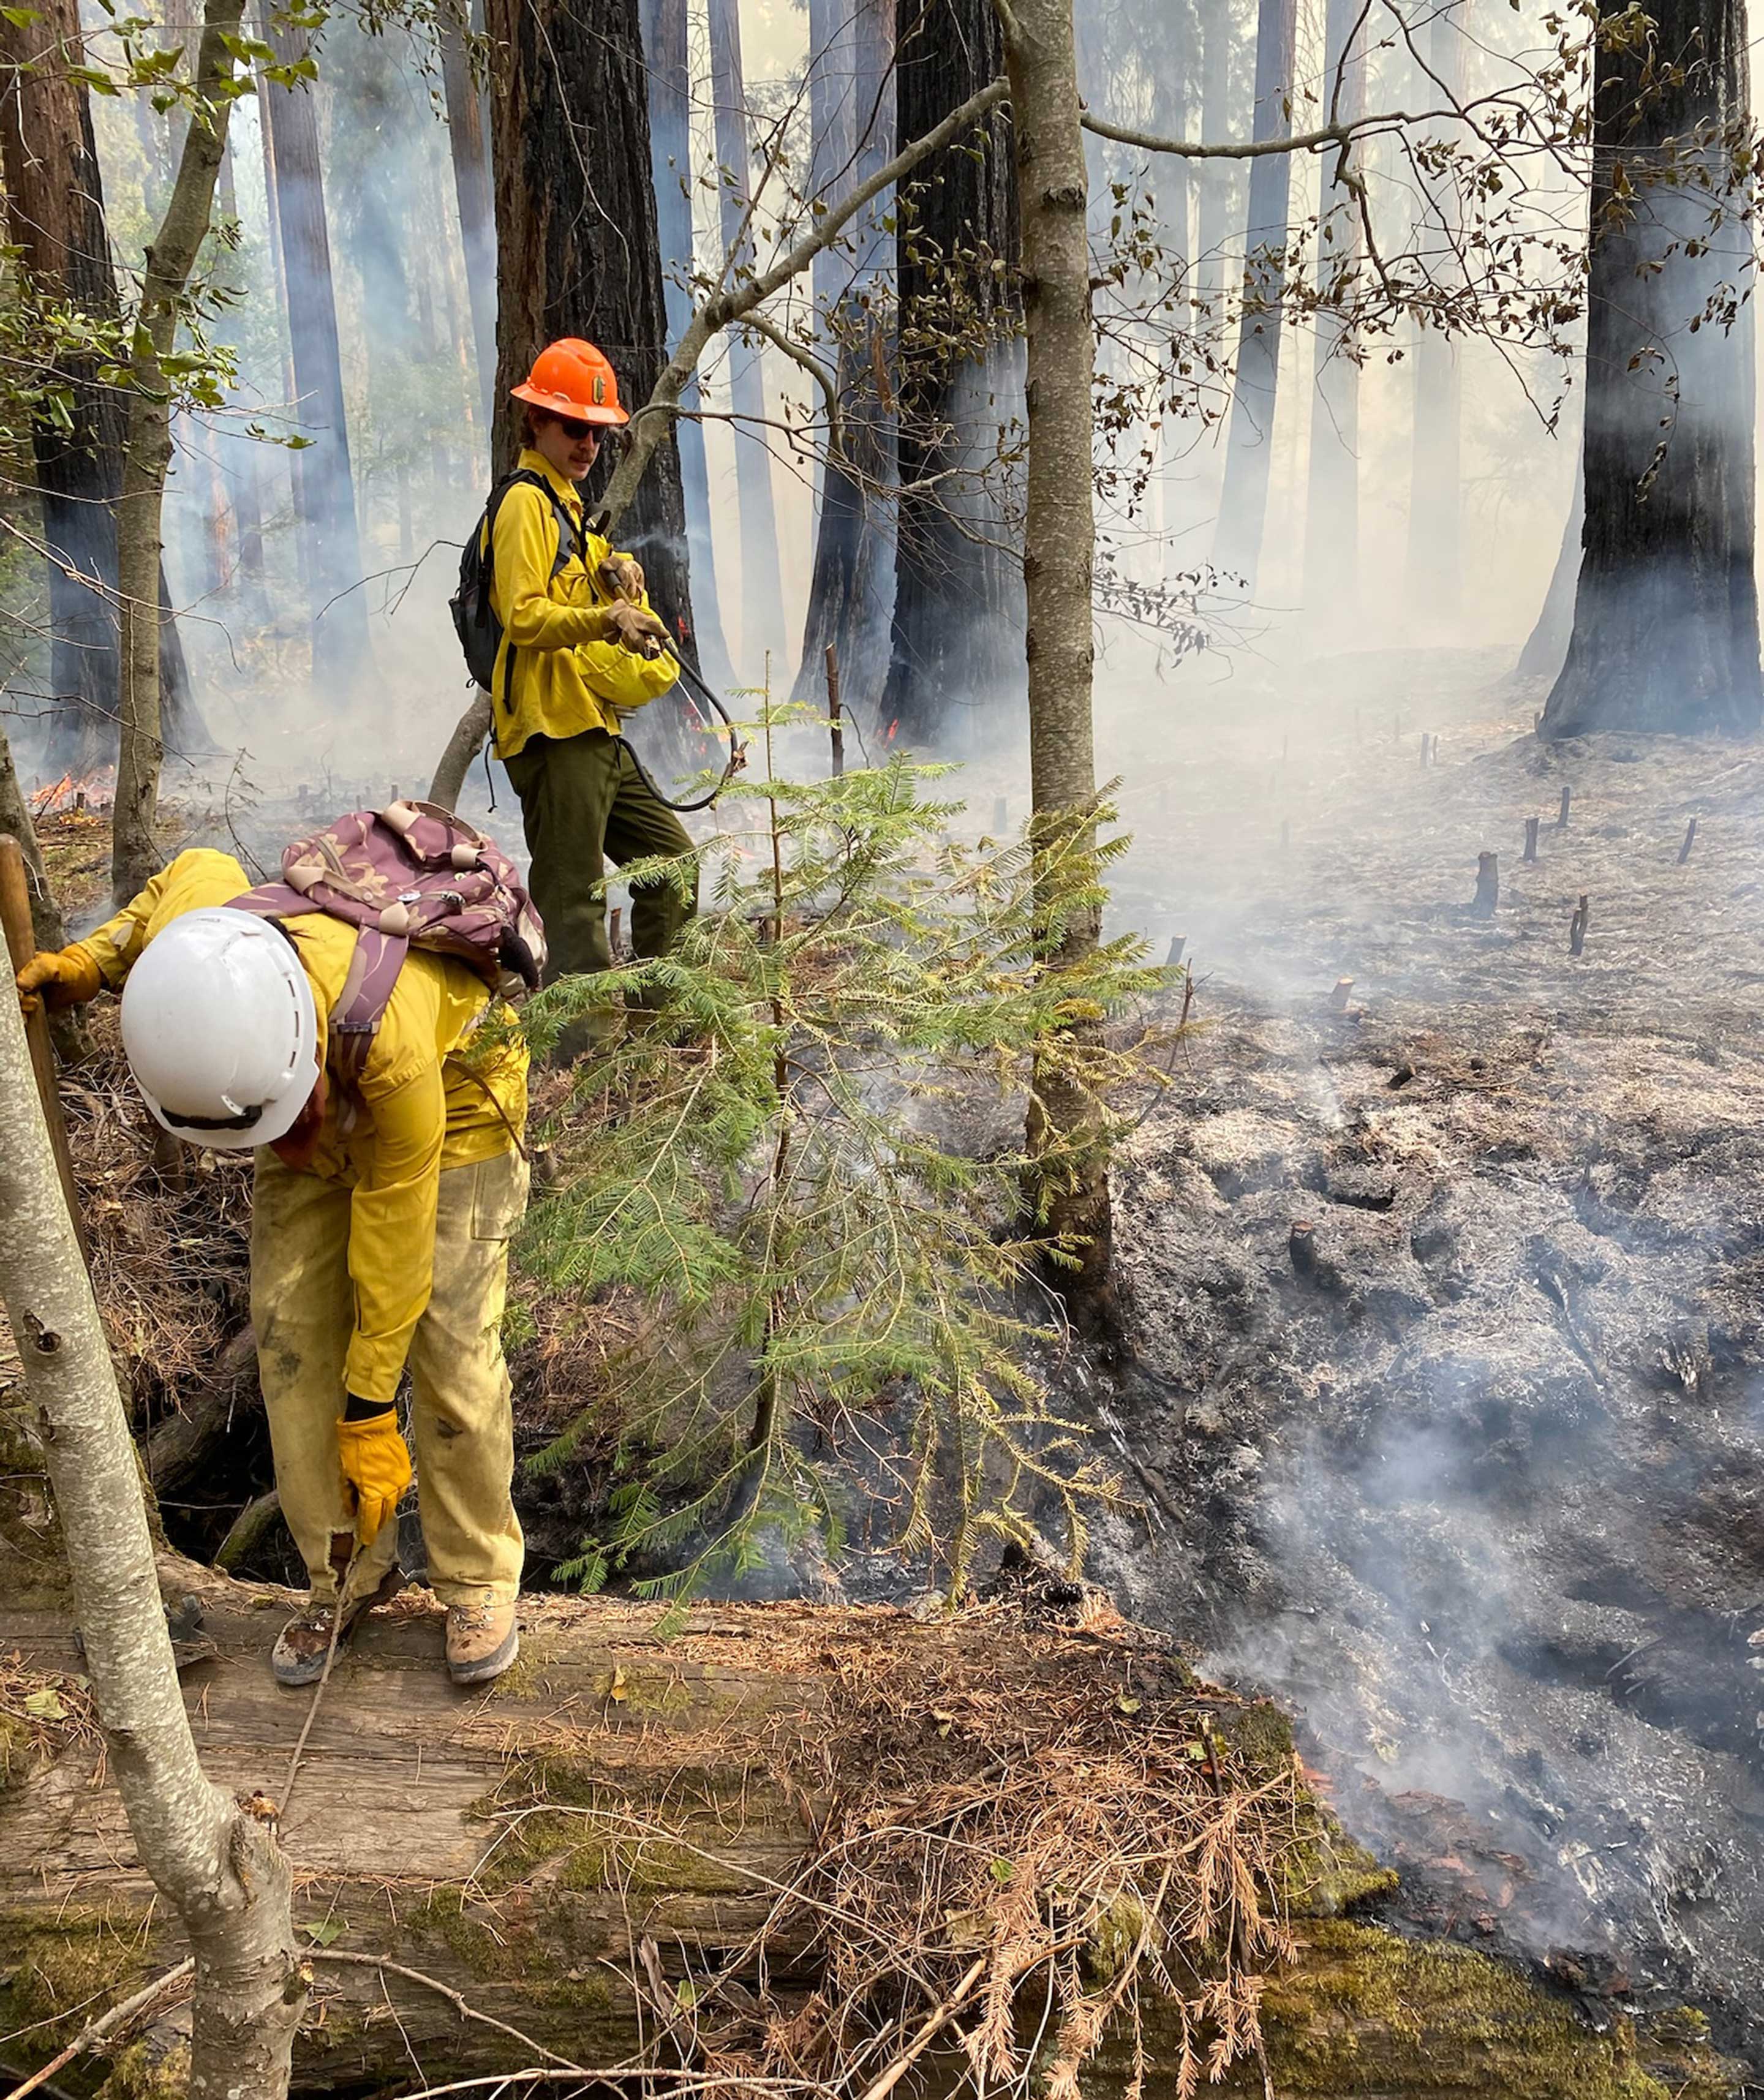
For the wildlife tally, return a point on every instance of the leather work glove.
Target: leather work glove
(635, 628)
(623, 576)
(64, 977)
(376, 1468)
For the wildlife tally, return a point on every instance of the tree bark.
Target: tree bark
(1060, 541)
(578, 252)
(666, 48)
(955, 645)
(1665, 633)
(1250, 442)
(762, 599)
(55, 215)
(147, 456)
(853, 582)
(1332, 506)
(219, 1869)
(1173, 195)
(325, 488)
(1435, 484)
(470, 154)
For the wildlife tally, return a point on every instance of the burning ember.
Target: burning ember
(93, 790)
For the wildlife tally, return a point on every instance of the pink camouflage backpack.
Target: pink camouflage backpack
(410, 876)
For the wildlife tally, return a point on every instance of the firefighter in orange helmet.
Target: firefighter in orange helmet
(559, 697)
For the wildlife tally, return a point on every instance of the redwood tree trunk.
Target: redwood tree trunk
(55, 212)
(325, 489)
(666, 49)
(956, 644)
(762, 598)
(577, 248)
(1332, 506)
(1249, 444)
(1665, 631)
(1546, 647)
(853, 585)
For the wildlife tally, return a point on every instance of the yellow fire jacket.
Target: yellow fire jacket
(431, 1093)
(562, 680)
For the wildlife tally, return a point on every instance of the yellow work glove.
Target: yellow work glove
(375, 1469)
(634, 628)
(67, 978)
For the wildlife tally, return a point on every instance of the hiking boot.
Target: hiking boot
(298, 1656)
(483, 1640)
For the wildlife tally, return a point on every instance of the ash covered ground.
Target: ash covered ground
(1448, 1305)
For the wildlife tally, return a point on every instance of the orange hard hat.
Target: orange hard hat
(570, 378)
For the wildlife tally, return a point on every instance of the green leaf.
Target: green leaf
(327, 1930)
(1002, 1872)
(45, 1705)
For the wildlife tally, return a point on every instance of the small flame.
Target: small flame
(70, 791)
(892, 726)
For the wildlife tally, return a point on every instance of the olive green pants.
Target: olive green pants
(583, 801)
(462, 1416)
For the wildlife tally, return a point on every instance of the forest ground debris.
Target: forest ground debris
(1015, 1837)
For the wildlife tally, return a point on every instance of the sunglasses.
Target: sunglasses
(575, 431)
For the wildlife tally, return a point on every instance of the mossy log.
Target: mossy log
(621, 1812)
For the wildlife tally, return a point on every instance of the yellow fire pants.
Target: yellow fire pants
(462, 1420)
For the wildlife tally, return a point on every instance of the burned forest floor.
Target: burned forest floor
(1446, 1297)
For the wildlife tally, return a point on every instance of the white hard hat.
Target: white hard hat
(220, 1029)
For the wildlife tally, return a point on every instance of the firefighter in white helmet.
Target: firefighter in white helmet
(379, 1237)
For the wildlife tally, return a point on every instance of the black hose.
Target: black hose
(738, 753)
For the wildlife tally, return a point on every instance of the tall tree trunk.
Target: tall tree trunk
(1332, 506)
(1435, 485)
(762, 598)
(835, 102)
(147, 451)
(577, 250)
(1665, 631)
(55, 212)
(1250, 442)
(1059, 562)
(1213, 211)
(325, 488)
(667, 50)
(955, 645)
(471, 186)
(1546, 647)
(852, 590)
(219, 1869)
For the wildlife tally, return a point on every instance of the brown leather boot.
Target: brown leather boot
(483, 1640)
(298, 1656)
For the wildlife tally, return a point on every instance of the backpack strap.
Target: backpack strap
(567, 547)
(360, 1008)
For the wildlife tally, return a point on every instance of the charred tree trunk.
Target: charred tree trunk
(577, 248)
(1332, 508)
(1435, 485)
(1249, 444)
(1546, 647)
(956, 642)
(470, 153)
(1665, 633)
(762, 598)
(667, 50)
(325, 488)
(55, 214)
(853, 585)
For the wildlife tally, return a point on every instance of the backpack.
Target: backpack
(410, 876)
(479, 630)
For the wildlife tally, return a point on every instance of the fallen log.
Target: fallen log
(685, 1857)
